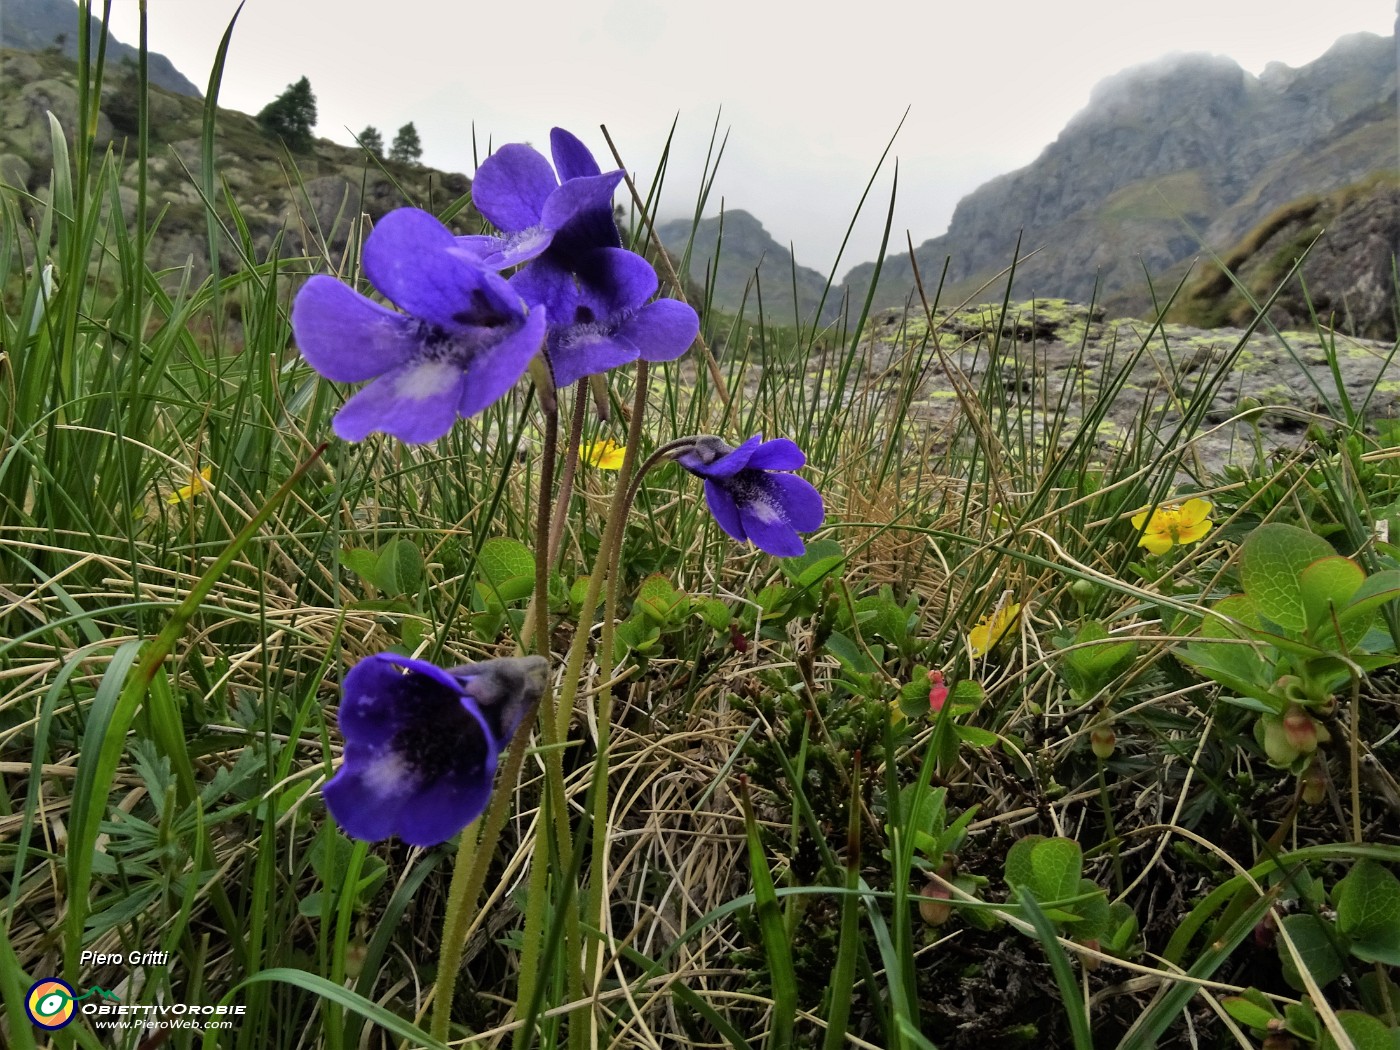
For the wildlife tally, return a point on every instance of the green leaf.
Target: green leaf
(823, 558)
(361, 561)
(1094, 913)
(659, 600)
(508, 568)
(1314, 940)
(1372, 594)
(714, 612)
(849, 654)
(399, 568)
(1055, 869)
(1243, 669)
(1327, 586)
(1368, 911)
(1251, 1011)
(1089, 669)
(976, 737)
(966, 695)
(1019, 871)
(1364, 1031)
(1272, 561)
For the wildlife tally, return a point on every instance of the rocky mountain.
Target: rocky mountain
(1186, 148)
(310, 203)
(52, 25)
(1347, 272)
(752, 268)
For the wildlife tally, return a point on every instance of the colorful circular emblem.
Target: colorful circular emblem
(50, 1003)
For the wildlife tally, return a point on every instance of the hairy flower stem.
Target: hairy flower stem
(566, 480)
(553, 730)
(604, 566)
(469, 875)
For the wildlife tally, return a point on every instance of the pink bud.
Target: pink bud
(938, 694)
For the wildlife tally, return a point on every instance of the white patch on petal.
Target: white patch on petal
(527, 240)
(428, 380)
(764, 509)
(388, 774)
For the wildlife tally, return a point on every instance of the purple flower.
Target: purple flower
(463, 339)
(750, 495)
(594, 290)
(421, 743)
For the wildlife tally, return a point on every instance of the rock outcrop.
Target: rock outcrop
(1165, 154)
(52, 25)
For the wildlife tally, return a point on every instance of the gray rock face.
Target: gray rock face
(1188, 137)
(1348, 241)
(35, 25)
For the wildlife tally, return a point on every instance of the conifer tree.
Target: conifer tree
(406, 148)
(372, 141)
(291, 115)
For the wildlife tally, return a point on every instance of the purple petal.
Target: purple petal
(416, 402)
(499, 253)
(775, 536)
(452, 802)
(580, 198)
(365, 796)
(585, 350)
(512, 186)
(614, 280)
(730, 464)
(497, 368)
(801, 502)
(663, 330)
(572, 158)
(778, 454)
(726, 512)
(416, 261)
(764, 515)
(378, 698)
(346, 337)
(542, 284)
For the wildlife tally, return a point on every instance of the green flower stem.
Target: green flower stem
(553, 731)
(469, 875)
(578, 650)
(566, 481)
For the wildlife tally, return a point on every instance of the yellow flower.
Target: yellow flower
(1187, 523)
(198, 483)
(606, 454)
(991, 629)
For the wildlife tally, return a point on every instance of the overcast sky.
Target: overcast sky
(809, 93)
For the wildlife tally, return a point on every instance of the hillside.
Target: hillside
(43, 25)
(1347, 273)
(1185, 146)
(311, 201)
(753, 268)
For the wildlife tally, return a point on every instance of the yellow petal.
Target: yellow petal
(992, 629)
(194, 488)
(1138, 519)
(1156, 542)
(606, 454)
(1193, 533)
(1193, 512)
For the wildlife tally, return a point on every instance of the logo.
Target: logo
(50, 1003)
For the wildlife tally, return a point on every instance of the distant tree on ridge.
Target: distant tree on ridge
(372, 141)
(291, 115)
(406, 148)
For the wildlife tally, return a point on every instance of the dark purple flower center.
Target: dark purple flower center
(442, 740)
